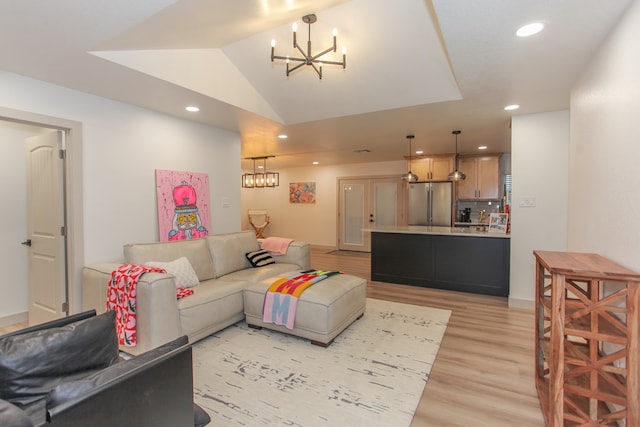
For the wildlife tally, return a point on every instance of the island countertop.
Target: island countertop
(444, 231)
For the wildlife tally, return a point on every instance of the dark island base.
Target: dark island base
(458, 263)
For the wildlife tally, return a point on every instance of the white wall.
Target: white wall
(539, 159)
(604, 185)
(122, 147)
(313, 223)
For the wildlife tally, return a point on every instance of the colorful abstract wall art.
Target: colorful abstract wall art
(302, 192)
(183, 205)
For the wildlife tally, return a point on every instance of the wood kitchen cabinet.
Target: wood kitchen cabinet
(435, 168)
(483, 177)
(586, 340)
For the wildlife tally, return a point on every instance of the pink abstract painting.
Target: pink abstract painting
(302, 192)
(183, 205)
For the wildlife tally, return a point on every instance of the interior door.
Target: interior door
(352, 215)
(45, 228)
(364, 203)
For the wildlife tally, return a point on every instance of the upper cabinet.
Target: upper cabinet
(483, 177)
(435, 168)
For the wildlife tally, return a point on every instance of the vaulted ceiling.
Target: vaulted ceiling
(424, 67)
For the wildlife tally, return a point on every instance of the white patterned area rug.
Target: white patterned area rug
(373, 374)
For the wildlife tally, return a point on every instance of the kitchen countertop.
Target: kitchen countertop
(445, 231)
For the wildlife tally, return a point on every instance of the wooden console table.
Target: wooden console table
(587, 332)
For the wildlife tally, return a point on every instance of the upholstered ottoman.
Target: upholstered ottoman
(324, 309)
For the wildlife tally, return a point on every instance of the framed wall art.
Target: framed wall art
(183, 205)
(302, 192)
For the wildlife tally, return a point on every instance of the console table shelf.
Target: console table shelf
(587, 333)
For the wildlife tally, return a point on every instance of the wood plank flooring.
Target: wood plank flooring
(484, 372)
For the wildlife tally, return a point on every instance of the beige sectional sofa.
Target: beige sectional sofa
(223, 272)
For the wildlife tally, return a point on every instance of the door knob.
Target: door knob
(26, 242)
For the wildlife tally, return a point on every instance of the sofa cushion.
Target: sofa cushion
(33, 363)
(260, 258)
(196, 251)
(228, 251)
(181, 268)
(254, 275)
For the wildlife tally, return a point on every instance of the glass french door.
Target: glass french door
(365, 203)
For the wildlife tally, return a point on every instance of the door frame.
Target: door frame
(73, 195)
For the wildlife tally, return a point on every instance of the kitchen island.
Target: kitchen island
(458, 259)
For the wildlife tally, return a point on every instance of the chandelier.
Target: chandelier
(260, 179)
(308, 58)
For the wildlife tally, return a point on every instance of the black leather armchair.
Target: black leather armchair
(68, 373)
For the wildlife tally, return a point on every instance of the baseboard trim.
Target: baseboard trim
(521, 303)
(14, 318)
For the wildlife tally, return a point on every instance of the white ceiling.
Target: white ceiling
(424, 67)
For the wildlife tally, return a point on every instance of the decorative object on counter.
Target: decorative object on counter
(410, 176)
(456, 175)
(260, 179)
(507, 211)
(482, 216)
(498, 222)
(308, 58)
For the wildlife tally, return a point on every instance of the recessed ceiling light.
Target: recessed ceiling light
(192, 109)
(482, 147)
(283, 136)
(512, 107)
(419, 152)
(530, 29)
(315, 163)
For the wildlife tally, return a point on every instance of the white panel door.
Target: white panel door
(45, 222)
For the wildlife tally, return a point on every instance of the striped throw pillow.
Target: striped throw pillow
(260, 258)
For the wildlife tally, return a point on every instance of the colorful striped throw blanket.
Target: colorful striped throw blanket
(281, 299)
(121, 297)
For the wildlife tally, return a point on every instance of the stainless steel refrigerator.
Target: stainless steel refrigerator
(430, 203)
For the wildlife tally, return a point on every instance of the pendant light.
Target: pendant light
(456, 175)
(410, 176)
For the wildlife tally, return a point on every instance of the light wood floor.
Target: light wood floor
(484, 372)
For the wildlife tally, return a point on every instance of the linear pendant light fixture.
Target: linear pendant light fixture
(456, 175)
(260, 179)
(307, 57)
(410, 176)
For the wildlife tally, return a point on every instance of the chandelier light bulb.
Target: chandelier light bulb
(335, 32)
(294, 27)
(273, 42)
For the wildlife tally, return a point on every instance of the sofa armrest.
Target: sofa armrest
(12, 416)
(157, 318)
(298, 253)
(156, 390)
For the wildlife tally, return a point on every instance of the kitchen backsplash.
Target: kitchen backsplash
(476, 207)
